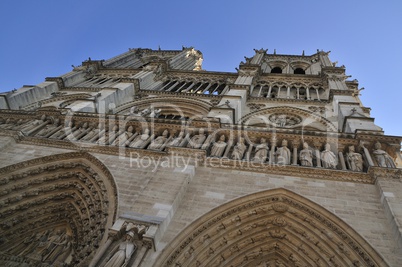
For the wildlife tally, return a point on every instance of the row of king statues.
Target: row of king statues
(216, 146)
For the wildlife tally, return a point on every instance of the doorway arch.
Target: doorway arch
(270, 228)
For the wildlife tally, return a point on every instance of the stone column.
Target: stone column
(248, 152)
(341, 157)
(269, 91)
(308, 92)
(288, 92)
(318, 95)
(272, 151)
(140, 255)
(102, 250)
(317, 146)
(367, 154)
(295, 145)
(228, 147)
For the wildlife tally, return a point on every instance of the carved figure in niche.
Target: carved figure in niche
(354, 160)
(306, 156)
(133, 110)
(141, 140)
(158, 142)
(93, 133)
(282, 154)
(61, 252)
(78, 132)
(328, 158)
(155, 113)
(239, 149)
(281, 120)
(122, 138)
(52, 244)
(109, 136)
(383, 158)
(18, 124)
(64, 131)
(123, 252)
(33, 124)
(261, 151)
(176, 141)
(218, 148)
(8, 124)
(197, 140)
(49, 129)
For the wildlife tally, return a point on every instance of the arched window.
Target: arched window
(276, 70)
(299, 71)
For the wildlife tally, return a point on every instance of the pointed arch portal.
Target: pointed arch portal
(55, 210)
(271, 228)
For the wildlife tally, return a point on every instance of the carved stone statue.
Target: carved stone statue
(122, 138)
(354, 160)
(197, 140)
(239, 149)
(33, 124)
(306, 156)
(176, 141)
(93, 133)
(282, 154)
(218, 148)
(141, 140)
(158, 142)
(123, 252)
(49, 129)
(383, 158)
(261, 151)
(78, 132)
(328, 158)
(63, 132)
(108, 137)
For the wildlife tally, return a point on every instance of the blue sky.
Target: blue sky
(44, 38)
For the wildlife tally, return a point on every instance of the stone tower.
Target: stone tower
(146, 159)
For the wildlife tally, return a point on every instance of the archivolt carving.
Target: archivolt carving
(60, 201)
(310, 119)
(266, 229)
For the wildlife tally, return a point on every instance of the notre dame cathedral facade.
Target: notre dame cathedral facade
(146, 159)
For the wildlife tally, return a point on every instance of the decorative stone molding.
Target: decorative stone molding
(270, 227)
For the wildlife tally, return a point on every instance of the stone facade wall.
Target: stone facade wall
(173, 196)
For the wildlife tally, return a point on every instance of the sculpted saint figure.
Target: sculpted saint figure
(197, 140)
(176, 141)
(306, 156)
(238, 149)
(218, 148)
(122, 138)
(328, 158)
(78, 132)
(33, 124)
(63, 132)
(123, 252)
(108, 137)
(93, 133)
(383, 158)
(282, 154)
(141, 141)
(49, 129)
(261, 151)
(158, 142)
(354, 160)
